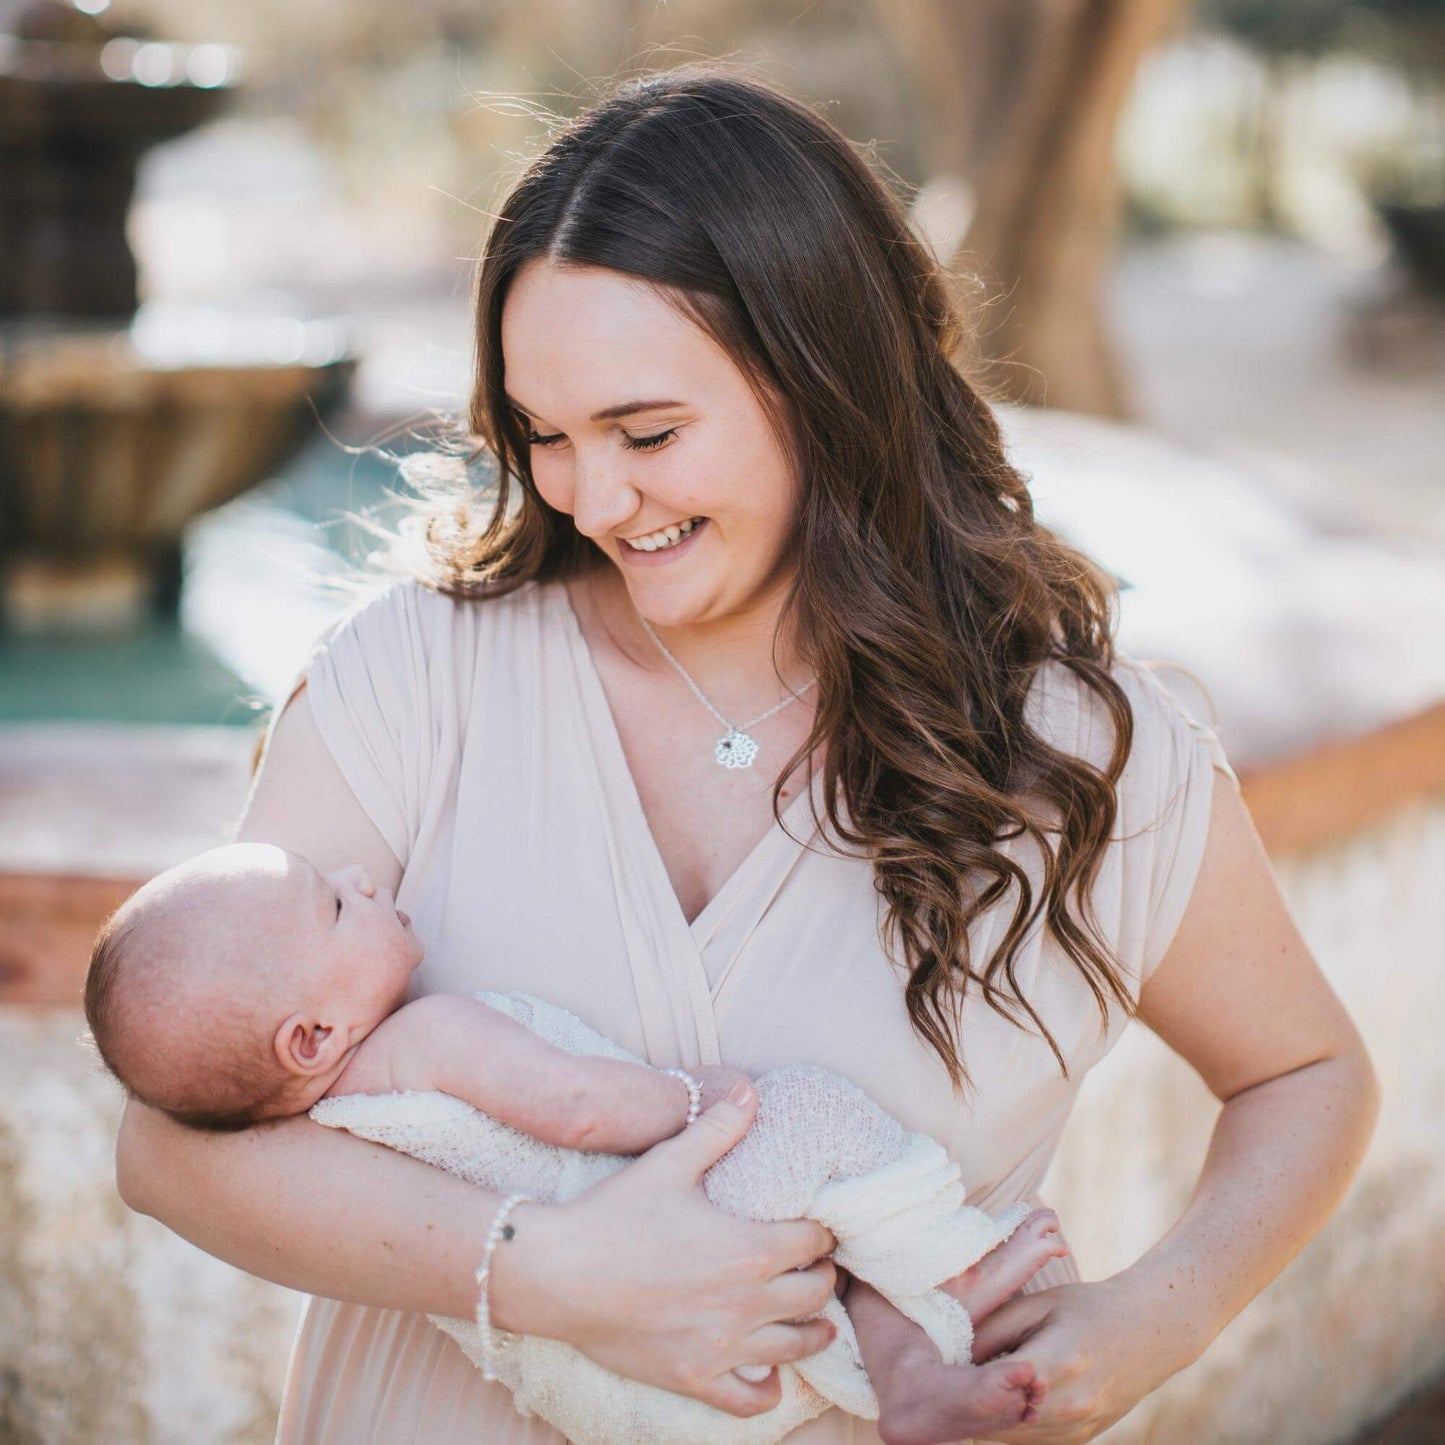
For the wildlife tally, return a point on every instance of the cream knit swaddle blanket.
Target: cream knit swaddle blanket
(819, 1148)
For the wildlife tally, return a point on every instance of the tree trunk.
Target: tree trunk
(1024, 97)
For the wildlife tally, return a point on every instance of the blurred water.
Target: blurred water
(263, 576)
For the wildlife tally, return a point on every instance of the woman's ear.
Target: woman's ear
(307, 1047)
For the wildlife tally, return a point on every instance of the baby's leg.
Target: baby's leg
(922, 1401)
(1005, 1270)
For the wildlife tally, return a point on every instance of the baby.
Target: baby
(246, 986)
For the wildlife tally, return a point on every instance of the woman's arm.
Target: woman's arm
(1239, 996)
(311, 1208)
(323, 1211)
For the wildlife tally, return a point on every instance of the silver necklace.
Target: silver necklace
(734, 749)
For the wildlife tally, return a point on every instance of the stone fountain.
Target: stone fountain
(119, 423)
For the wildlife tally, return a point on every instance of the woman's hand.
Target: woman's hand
(1098, 1349)
(717, 1082)
(646, 1277)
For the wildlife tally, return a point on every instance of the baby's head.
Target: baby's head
(233, 988)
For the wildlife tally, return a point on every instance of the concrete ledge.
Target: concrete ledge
(47, 924)
(113, 1330)
(1340, 788)
(104, 800)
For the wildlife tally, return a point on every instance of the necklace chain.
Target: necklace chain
(747, 748)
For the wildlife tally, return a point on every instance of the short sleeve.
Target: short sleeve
(383, 687)
(1165, 795)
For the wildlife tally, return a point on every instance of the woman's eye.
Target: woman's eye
(637, 444)
(644, 444)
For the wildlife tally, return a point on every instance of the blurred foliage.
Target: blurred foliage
(1428, 10)
(1279, 27)
(1409, 33)
(426, 107)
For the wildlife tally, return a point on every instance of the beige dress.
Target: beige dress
(478, 738)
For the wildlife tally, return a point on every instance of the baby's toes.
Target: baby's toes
(1018, 1375)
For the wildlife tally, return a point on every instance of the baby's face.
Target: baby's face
(250, 955)
(337, 937)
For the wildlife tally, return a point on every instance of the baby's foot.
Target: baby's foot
(1006, 1269)
(938, 1402)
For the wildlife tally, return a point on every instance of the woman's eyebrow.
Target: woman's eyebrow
(613, 413)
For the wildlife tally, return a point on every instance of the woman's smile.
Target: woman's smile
(665, 545)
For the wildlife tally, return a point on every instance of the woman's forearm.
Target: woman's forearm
(1281, 1158)
(640, 1272)
(311, 1208)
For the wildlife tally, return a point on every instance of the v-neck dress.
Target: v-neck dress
(478, 738)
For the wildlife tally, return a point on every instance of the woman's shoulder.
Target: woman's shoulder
(1163, 794)
(412, 596)
(397, 684)
(412, 649)
(1074, 717)
(400, 615)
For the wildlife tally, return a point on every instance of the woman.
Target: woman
(763, 520)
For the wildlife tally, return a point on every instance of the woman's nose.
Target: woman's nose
(602, 496)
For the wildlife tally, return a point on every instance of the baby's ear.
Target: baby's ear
(307, 1047)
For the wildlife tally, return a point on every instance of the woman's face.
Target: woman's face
(640, 422)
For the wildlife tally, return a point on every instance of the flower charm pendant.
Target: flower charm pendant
(735, 750)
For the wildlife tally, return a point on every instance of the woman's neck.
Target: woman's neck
(730, 658)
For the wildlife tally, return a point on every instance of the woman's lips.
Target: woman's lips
(633, 558)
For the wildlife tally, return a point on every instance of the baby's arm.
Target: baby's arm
(458, 1045)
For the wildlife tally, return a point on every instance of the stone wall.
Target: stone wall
(112, 1329)
(1357, 1322)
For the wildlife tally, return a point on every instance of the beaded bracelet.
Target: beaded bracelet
(494, 1341)
(694, 1093)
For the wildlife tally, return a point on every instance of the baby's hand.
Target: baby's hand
(716, 1080)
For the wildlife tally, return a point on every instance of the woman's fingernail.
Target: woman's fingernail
(739, 1092)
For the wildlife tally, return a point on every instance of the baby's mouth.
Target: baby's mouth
(405, 918)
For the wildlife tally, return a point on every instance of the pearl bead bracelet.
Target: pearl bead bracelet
(494, 1341)
(694, 1093)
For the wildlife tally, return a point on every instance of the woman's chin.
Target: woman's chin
(670, 601)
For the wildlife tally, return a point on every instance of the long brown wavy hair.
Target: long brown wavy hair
(926, 595)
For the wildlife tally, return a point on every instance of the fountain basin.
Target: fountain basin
(112, 439)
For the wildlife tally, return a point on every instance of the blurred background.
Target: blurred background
(1202, 246)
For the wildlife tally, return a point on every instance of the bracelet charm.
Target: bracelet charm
(494, 1340)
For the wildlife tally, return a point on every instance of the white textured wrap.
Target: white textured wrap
(819, 1148)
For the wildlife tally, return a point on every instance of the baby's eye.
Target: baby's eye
(338, 905)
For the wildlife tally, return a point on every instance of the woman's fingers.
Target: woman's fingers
(696, 1267)
(717, 1081)
(744, 1398)
(1011, 1325)
(787, 1344)
(702, 1144)
(797, 1243)
(799, 1292)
